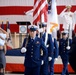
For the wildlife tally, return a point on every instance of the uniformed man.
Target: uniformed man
(47, 38)
(68, 20)
(64, 48)
(54, 57)
(33, 47)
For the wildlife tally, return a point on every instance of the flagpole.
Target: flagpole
(68, 34)
(15, 39)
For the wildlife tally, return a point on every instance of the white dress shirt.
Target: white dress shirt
(2, 42)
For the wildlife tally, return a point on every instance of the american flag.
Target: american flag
(40, 11)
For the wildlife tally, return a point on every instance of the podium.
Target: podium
(23, 29)
(23, 25)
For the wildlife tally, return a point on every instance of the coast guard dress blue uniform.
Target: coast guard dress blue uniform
(49, 45)
(55, 56)
(64, 53)
(33, 55)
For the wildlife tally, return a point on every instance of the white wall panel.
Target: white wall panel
(16, 2)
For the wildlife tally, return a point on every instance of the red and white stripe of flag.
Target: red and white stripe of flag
(40, 11)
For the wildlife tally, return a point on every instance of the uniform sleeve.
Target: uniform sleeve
(70, 40)
(51, 46)
(62, 13)
(56, 48)
(60, 47)
(3, 35)
(45, 51)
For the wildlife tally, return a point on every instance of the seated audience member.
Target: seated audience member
(3, 36)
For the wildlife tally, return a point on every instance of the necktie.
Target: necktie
(32, 40)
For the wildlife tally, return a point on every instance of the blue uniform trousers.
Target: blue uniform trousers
(44, 68)
(51, 67)
(65, 66)
(32, 71)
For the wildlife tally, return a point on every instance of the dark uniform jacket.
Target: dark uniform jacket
(62, 47)
(33, 53)
(56, 49)
(49, 44)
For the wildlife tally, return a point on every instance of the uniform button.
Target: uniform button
(64, 51)
(38, 58)
(32, 46)
(32, 49)
(54, 47)
(31, 52)
(31, 56)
